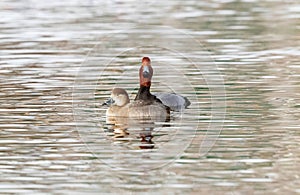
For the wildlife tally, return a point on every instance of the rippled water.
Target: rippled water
(59, 60)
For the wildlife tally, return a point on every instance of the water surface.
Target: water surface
(59, 60)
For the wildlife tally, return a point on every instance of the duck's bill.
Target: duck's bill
(108, 102)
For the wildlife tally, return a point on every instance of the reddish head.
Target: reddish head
(146, 60)
(146, 72)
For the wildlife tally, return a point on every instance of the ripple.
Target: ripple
(254, 44)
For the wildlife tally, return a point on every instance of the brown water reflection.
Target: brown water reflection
(43, 45)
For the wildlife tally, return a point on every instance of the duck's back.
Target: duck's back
(174, 101)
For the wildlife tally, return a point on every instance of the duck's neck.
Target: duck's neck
(144, 94)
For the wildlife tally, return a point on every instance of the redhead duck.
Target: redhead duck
(120, 107)
(173, 101)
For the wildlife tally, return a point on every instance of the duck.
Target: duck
(145, 105)
(121, 108)
(173, 101)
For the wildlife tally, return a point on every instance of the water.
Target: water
(59, 60)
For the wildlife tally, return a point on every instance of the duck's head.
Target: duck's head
(119, 97)
(146, 72)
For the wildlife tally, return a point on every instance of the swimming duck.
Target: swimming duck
(174, 101)
(145, 104)
(120, 107)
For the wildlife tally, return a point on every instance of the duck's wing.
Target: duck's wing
(174, 101)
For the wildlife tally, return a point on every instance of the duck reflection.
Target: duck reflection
(141, 130)
(146, 139)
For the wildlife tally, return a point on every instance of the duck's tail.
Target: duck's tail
(187, 101)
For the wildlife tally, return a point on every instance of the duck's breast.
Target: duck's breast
(141, 110)
(115, 113)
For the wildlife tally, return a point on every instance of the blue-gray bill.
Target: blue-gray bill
(108, 102)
